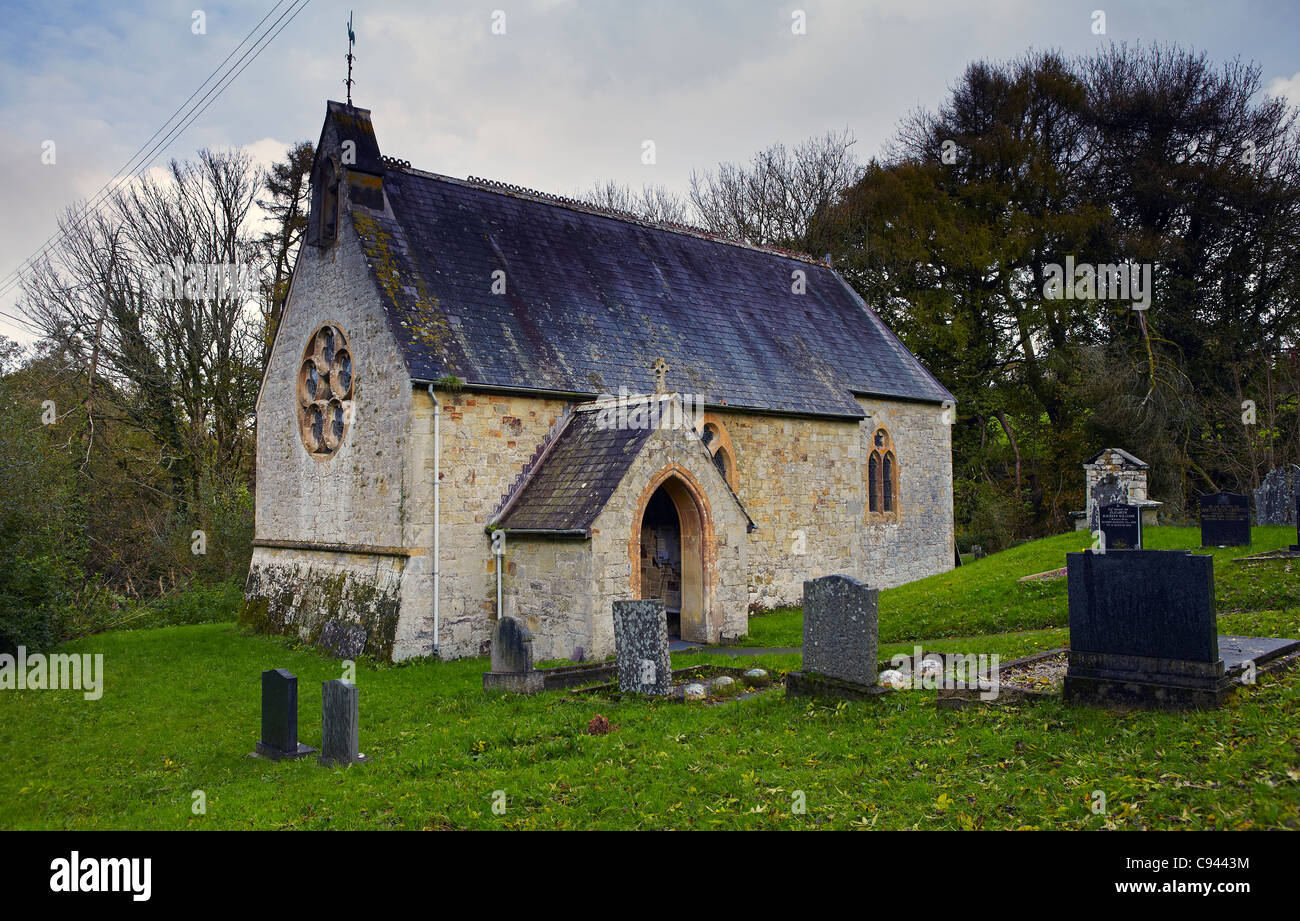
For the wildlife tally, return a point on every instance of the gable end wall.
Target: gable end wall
(349, 602)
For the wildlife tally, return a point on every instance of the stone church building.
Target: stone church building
(482, 400)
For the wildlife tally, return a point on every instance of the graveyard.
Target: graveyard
(181, 716)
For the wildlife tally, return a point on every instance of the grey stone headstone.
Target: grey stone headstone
(641, 645)
(512, 646)
(343, 638)
(840, 638)
(280, 716)
(1296, 545)
(1275, 500)
(1225, 520)
(340, 715)
(1108, 491)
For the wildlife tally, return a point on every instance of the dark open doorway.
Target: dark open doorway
(661, 557)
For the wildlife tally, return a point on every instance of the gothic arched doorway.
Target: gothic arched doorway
(671, 541)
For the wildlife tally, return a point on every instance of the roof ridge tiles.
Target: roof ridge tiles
(573, 204)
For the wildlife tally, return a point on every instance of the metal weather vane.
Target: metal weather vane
(352, 40)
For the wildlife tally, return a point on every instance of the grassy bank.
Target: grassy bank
(985, 596)
(179, 714)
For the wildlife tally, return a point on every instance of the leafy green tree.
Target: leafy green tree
(1149, 156)
(41, 512)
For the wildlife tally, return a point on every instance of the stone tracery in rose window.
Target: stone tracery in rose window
(325, 386)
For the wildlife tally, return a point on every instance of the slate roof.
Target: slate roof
(593, 300)
(577, 476)
(1129, 458)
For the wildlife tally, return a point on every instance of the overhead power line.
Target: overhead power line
(250, 54)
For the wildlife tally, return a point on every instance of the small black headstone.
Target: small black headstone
(1225, 520)
(280, 717)
(340, 706)
(512, 660)
(1121, 526)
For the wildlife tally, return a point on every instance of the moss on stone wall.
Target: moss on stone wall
(342, 612)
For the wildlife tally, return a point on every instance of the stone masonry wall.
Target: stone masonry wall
(726, 609)
(345, 603)
(486, 442)
(356, 496)
(793, 474)
(550, 588)
(921, 542)
(809, 475)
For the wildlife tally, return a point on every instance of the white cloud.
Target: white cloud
(560, 102)
(1288, 87)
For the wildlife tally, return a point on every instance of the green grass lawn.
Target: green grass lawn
(179, 714)
(985, 597)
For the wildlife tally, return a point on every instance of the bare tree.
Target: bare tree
(774, 199)
(653, 203)
(151, 295)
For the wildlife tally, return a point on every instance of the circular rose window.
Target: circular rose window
(325, 391)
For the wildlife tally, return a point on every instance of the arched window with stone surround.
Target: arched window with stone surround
(718, 442)
(887, 483)
(882, 478)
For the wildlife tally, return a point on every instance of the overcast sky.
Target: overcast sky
(564, 98)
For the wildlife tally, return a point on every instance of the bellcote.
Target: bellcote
(347, 171)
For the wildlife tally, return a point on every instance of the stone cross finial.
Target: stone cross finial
(661, 376)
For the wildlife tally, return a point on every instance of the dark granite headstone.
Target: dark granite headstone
(641, 646)
(280, 717)
(1225, 520)
(340, 715)
(1142, 629)
(1121, 525)
(1276, 498)
(512, 646)
(840, 637)
(1108, 491)
(512, 660)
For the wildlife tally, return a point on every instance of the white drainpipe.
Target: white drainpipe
(437, 507)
